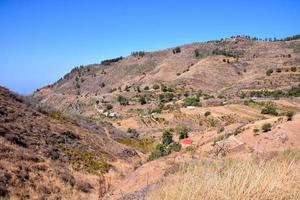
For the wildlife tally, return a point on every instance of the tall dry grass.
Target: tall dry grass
(260, 178)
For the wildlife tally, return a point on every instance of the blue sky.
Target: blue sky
(40, 41)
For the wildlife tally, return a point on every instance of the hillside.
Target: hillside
(127, 127)
(47, 156)
(226, 68)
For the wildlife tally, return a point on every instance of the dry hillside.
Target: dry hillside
(129, 128)
(47, 156)
(223, 68)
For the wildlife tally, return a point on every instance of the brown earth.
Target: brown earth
(46, 158)
(105, 156)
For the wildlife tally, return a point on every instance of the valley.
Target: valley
(127, 127)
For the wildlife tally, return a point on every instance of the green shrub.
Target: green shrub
(163, 88)
(155, 86)
(190, 149)
(109, 107)
(227, 53)
(146, 88)
(144, 145)
(176, 50)
(84, 160)
(159, 151)
(158, 109)
(266, 127)
(142, 100)
(207, 113)
(278, 70)
(211, 121)
(167, 137)
(256, 130)
(123, 101)
(269, 109)
(166, 97)
(58, 116)
(269, 72)
(109, 61)
(138, 53)
(127, 88)
(238, 131)
(294, 91)
(131, 130)
(182, 131)
(166, 147)
(191, 101)
(221, 130)
(290, 115)
(293, 69)
(175, 147)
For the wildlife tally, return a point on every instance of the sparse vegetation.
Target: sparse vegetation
(238, 131)
(266, 127)
(269, 72)
(182, 131)
(211, 121)
(191, 101)
(294, 91)
(176, 50)
(190, 149)
(166, 97)
(142, 100)
(110, 61)
(269, 109)
(222, 180)
(255, 131)
(155, 86)
(133, 132)
(123, 101)
(158, 109)
(167, 137)
(108, 107)
(144, 145)
(138, 53)
(167, 146)
(84, 160)
(221, 129)
(290, 115)
(227, 53)
(207, 113)
(293, 69)
(159, 151)
(199, 53)
(58, 116)
(102, 85)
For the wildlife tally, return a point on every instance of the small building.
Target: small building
(187, 141)
(190, 107)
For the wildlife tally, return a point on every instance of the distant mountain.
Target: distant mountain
(223, 68)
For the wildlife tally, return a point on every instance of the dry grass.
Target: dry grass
(260, 178)
(143, 145)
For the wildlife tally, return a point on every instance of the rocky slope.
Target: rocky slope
(223, 68)
(214, 99)
(45, 156)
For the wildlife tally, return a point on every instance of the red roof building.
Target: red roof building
(187, 141)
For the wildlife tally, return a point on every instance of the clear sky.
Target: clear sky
(41, 40)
